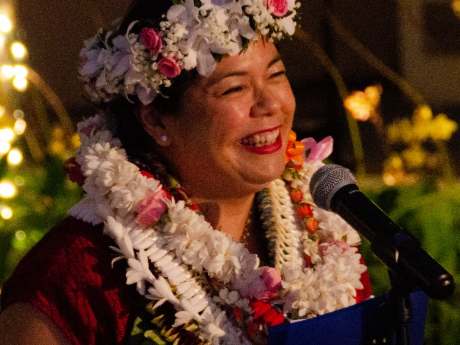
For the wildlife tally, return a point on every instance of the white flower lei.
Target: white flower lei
(186, 245)
(191, 37)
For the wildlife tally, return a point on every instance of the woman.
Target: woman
(183, 195)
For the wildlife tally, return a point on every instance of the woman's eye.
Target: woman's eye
(232, 90)
(278, 74)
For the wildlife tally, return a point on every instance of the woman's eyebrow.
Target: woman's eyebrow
(274, 61)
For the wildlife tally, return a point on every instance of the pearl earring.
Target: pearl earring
(164, 138)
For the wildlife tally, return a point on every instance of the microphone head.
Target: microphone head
(326, 181)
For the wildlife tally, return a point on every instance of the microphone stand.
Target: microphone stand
(401, 304)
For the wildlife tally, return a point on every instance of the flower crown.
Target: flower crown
(192, 34)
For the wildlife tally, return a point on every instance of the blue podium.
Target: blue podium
(355, 325)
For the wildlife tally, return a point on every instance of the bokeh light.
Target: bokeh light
(8, 71)
(20, 71)
(14, 157)
(19, 126)
(7, 190)
(4, 147)
(20, 83)
(6, 134)
(18, 50)
(5, 23)
(20, 235)
(2, 111)
(18, 114)
(6, 212)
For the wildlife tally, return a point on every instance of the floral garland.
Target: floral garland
(214, 285)
(193, 34)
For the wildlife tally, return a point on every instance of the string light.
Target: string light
(7, 190)
(6, 134)
(19, 126)
(18, 50)
(4, 147)
(8, 71)
(6, 212)
(20, 71)
(20, 83)
(14, 157)
(5, 23)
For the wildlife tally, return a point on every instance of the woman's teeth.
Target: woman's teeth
(261, 139)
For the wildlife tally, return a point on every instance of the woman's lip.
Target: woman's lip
(266, 149)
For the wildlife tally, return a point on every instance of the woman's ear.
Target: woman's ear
(156, 124)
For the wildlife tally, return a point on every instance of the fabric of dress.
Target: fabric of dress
(68, 275)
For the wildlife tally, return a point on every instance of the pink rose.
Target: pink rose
(272, 281)
(169, 67)
(280, 7)
(318, 150)
(151, 209)
(151, 39)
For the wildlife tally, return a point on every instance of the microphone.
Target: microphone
(334, 188)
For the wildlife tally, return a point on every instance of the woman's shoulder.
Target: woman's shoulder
(68, 275)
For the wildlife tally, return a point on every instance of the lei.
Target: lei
(212, 288)
(192, 34)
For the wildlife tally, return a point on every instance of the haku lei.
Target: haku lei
(215, 286)
(192, 34)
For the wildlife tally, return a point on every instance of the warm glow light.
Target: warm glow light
(389, 179)
(18, 50)
(2, 111)
(7, 190)
(20, 71)
(2, 41)
(456, 7)
(14, 157)
(19, 126)
(20, 83)
(8, 71)
(6, 212)
(5, 23)
(363, 104)
(6, 134)
(4, 147)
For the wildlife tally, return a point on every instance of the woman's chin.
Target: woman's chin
(261, 176)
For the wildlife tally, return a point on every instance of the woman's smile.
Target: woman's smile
(263, 142)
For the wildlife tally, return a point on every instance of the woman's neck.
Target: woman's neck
(229, 216)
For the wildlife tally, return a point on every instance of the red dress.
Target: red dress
(68, 275)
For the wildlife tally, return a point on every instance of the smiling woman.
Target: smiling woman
(189, 194)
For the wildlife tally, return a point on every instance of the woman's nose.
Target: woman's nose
(266, 101)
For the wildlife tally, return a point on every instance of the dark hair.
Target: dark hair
(137, 142)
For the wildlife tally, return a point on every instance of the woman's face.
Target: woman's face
(230, 136)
